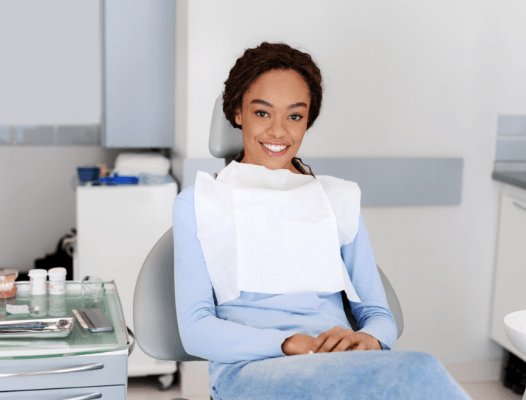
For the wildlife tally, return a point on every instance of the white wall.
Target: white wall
(50, 73)
(37, 199)
(403, 79)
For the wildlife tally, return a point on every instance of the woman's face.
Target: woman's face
(275, 112)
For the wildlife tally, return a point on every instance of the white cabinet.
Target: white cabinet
(55, 377)
(509, 294)
(83, 365)
(110, 392)
(117, 226)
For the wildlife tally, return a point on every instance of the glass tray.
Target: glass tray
(55, 332)
(79, 342)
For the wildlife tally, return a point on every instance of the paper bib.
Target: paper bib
(274, 231)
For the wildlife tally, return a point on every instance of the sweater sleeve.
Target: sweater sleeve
(203, 334)
(372, 314)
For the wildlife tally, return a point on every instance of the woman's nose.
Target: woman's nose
(277, 128)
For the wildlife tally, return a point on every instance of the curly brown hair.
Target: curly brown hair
(257, 61)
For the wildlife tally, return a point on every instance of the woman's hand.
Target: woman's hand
(297, 344)
(339, 339)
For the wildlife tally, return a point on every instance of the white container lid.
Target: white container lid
(57, 272)
(37, 273)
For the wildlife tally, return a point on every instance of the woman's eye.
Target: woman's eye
(299, 117)
(263, 114)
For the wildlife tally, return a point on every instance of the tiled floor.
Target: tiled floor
(148, 388)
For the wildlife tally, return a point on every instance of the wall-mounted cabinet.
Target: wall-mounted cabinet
(510, 270)
(138, 50)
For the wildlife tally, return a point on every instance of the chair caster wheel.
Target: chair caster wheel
(166, 381)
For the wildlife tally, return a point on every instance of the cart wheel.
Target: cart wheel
(166, 381)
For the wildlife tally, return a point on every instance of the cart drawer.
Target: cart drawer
(96, 392)
(60, 372)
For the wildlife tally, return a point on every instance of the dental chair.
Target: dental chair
(154, 312)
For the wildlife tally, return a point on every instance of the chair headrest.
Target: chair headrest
(225, 140)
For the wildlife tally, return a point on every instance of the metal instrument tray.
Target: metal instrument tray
(53, 330)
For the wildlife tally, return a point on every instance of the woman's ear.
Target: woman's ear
(239, 119)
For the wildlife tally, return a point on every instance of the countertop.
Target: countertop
(515, 178)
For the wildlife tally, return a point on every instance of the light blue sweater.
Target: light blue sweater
(255, 325)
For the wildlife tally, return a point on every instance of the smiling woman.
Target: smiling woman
(274, 94)
(264, 253)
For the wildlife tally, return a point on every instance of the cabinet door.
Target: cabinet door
(139, 50)
(95, 392)
(58, 372)
(510, 276)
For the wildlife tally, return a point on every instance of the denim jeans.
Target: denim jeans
(357, 375)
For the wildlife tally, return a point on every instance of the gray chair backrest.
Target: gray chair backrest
(154, 312)
(225, 140)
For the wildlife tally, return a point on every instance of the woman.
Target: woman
(297, 345)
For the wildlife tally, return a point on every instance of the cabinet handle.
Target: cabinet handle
(86, 397)
(88, 367)
(518, 205)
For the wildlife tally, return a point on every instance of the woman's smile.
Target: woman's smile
(275, 151)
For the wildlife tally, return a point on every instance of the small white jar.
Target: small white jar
(38, 281)
(57, 280)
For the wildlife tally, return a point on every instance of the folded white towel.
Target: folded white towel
(133, 164)
(274, 231)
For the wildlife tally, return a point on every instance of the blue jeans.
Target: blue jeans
(357, 375)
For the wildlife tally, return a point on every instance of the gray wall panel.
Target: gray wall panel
(398, 182)
(192, 165)
(383, 181)
(508, 125)
(138, 54)
(510, 148)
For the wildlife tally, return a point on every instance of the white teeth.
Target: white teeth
(6, 286)
(274, 148)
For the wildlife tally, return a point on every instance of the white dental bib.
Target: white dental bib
(274, 231)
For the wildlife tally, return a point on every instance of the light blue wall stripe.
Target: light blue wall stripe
(383, 182)
(510, 148)
(50, 135)
(398, 182)
(192, 165)
(38, 135)
(511, 125)
(5, 134)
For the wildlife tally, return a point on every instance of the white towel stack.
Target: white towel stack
(134, 164)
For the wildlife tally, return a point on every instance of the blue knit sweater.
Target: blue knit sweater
(255, 325)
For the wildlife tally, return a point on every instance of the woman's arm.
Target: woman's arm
(202, 333)
(372, 313)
